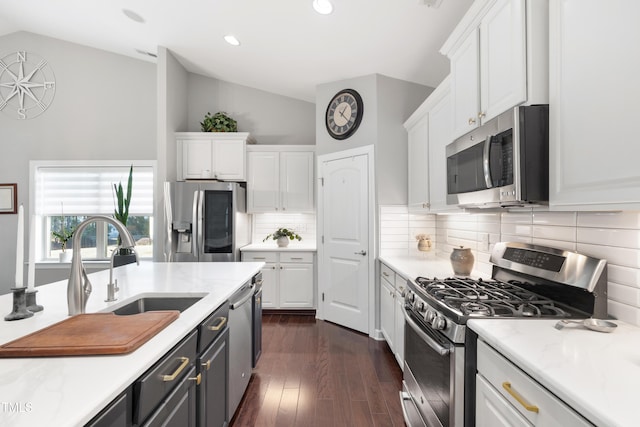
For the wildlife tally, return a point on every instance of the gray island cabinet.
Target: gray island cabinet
(178, 377)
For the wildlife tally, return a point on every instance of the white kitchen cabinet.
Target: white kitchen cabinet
(505, 395)
(430, 130)
(418, 165)
(280, 179)
(593, 153)
(206, 155)
(387, 312)
(288, 278)
(392, 323)
(498, 56)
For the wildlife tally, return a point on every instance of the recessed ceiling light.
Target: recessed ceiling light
(323, 7)
(133, 16)
(231, 40)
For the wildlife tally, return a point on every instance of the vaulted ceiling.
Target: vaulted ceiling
(285, 46)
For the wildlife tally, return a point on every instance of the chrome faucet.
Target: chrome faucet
(112, 286)
(79, 286)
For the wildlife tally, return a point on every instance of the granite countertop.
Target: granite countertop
(70, 391)
(597, 374)
(302, 246)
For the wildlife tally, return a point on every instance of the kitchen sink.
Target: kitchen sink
(155, 303)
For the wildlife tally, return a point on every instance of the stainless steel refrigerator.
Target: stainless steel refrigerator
(207, 221)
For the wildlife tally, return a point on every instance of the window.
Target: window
(66, 193)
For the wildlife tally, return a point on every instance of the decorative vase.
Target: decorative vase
(424, 245)
(65, 256)
(283, 242)
(462, 261)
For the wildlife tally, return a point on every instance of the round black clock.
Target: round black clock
(344, 114)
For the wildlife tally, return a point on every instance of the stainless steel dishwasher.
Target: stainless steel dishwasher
(240, 344)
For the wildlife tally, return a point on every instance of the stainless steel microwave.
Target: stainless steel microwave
(503, 163)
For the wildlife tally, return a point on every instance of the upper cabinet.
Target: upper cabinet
(280, 179)
(593, 96)
(207, 155)
(499, 59)
(430, 129)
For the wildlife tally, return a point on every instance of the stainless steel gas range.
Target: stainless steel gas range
(528, 281)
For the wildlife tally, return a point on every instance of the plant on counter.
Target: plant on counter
(282, 232)
(122, 202)
(219, 122)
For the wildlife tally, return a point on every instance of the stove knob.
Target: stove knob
(421, 307)
(439, 323)
(411, 297)
(429, 316)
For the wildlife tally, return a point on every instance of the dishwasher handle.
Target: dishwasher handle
(237, 304)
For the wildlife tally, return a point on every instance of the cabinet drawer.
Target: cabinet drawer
(213, 326)
(260, 256)
(537, 404)
(387, 273)
(401, 283)
(158, 382)
(296, 257)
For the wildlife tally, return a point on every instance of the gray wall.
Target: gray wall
(104, 108)
(387, 103)
(270, 118)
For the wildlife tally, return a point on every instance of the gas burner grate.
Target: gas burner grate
(489, 298)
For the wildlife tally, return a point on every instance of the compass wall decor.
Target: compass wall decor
(27, 85)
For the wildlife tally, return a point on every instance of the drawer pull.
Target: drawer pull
(294, 257)
(207, 365)
(197, 379)
(219, 326)
(185, 362)
(531, 408)
(385, 274)
(259, 257)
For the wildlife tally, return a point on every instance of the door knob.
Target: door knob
(363, 253)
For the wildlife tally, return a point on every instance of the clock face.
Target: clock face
(27, 85)
(344, 114)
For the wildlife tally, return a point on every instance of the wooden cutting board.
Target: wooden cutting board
(91, 334)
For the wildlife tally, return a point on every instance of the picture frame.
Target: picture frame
(8, 198)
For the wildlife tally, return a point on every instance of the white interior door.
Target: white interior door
(344, 279)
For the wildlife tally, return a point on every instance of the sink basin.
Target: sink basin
(145, 304)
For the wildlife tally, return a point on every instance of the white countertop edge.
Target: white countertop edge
(594, 373)
(72, 390)
(273, 247)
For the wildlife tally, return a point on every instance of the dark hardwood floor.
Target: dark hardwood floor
(317, 374)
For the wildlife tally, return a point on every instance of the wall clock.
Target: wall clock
(344, 114)
(27, 85)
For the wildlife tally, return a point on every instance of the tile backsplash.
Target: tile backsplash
(266, 223)
(614, 236)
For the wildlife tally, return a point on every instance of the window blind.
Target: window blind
(88, 190)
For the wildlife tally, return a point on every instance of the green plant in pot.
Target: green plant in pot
(122, 202)
(282, 236)
(63, 236)
(219, 122)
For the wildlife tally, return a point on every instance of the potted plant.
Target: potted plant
(63, 236)
(219, 122)
(282, 237)
(121, 213)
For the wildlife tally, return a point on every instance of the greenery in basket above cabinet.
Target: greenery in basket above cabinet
(219, 122)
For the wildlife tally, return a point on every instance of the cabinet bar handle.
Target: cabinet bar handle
(185, 362)
(219, 326)
(197, 379)
(259, 257)
(293, 257)
(531, 408)
(207, 365)
(385, 274)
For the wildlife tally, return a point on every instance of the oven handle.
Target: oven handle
(442, 351)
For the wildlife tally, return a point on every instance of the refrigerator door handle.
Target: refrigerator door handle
(195, 220)
(200, 235)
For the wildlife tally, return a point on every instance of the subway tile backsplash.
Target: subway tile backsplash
(614, 236)
(266, 223)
